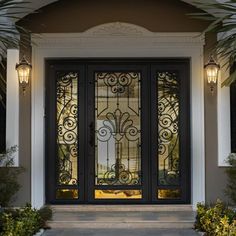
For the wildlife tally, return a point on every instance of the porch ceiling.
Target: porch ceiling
(37, 4)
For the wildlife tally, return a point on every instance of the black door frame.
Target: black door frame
(182, 68)
(53, 67)
(86, 67)
(120, 67)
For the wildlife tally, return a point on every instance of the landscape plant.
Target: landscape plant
(24, 221)
(231, 178)
(216, 219)
(223, 22)
(9, 174)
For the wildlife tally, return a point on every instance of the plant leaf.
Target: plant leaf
(229, 80)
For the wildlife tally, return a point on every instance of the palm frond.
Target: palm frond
(224, 22)
(10, 11)
(229, 80)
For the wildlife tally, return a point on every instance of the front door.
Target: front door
(117, 131)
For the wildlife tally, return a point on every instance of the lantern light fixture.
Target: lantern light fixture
(212, 72)
(24, 73)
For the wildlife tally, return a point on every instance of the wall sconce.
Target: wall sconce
(212, 71)
(24, 72)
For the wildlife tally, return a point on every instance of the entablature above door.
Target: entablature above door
(117, 34)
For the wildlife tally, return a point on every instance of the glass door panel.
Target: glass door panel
(117, 133)
(64, 132)
(168, 95)
(67, 134)
(67, 128)
(170, 130)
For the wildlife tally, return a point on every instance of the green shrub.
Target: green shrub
(9, 185)
(231, 180)
(224, 228)
(24, 222)
(216, 220)
(201, 211)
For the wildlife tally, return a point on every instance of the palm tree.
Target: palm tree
(9, 35)
(223, 21)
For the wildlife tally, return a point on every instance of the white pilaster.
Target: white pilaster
(12, 104)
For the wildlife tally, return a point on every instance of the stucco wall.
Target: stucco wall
(158, 16)
(215, 176)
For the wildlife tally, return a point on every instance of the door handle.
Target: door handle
(91, 134)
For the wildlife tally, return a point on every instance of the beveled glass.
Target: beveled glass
(168, 97)
(67, 129)
(117, 128)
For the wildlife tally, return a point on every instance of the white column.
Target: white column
(12, 104)
(224, 124)
(223, 112)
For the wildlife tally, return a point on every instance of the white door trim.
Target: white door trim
(119, 40)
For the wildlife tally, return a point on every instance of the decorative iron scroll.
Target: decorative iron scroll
(118, 125)
(168, 86)
(117, 134)
(67, 129)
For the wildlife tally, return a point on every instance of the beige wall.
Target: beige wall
(158, 16)
(215, 176)
(24, 195)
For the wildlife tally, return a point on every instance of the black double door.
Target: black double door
(117, 131)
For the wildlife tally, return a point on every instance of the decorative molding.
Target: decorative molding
(117, 29)
(124, 34)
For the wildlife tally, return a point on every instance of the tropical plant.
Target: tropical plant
(9, 35)
(223, 21)
(8, 177)
(231, 178)
(216, 219)
(21, 222)
(24, 220)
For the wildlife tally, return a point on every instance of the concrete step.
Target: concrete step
(120, 225)
(122, 216)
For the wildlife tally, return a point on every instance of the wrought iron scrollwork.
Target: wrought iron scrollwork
(67, 109)
(118, 125)
(117, 82)
(118, 128)
(118, 175)
(168, 127)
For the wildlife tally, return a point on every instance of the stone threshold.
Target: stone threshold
(120, 208)
(122, 225)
